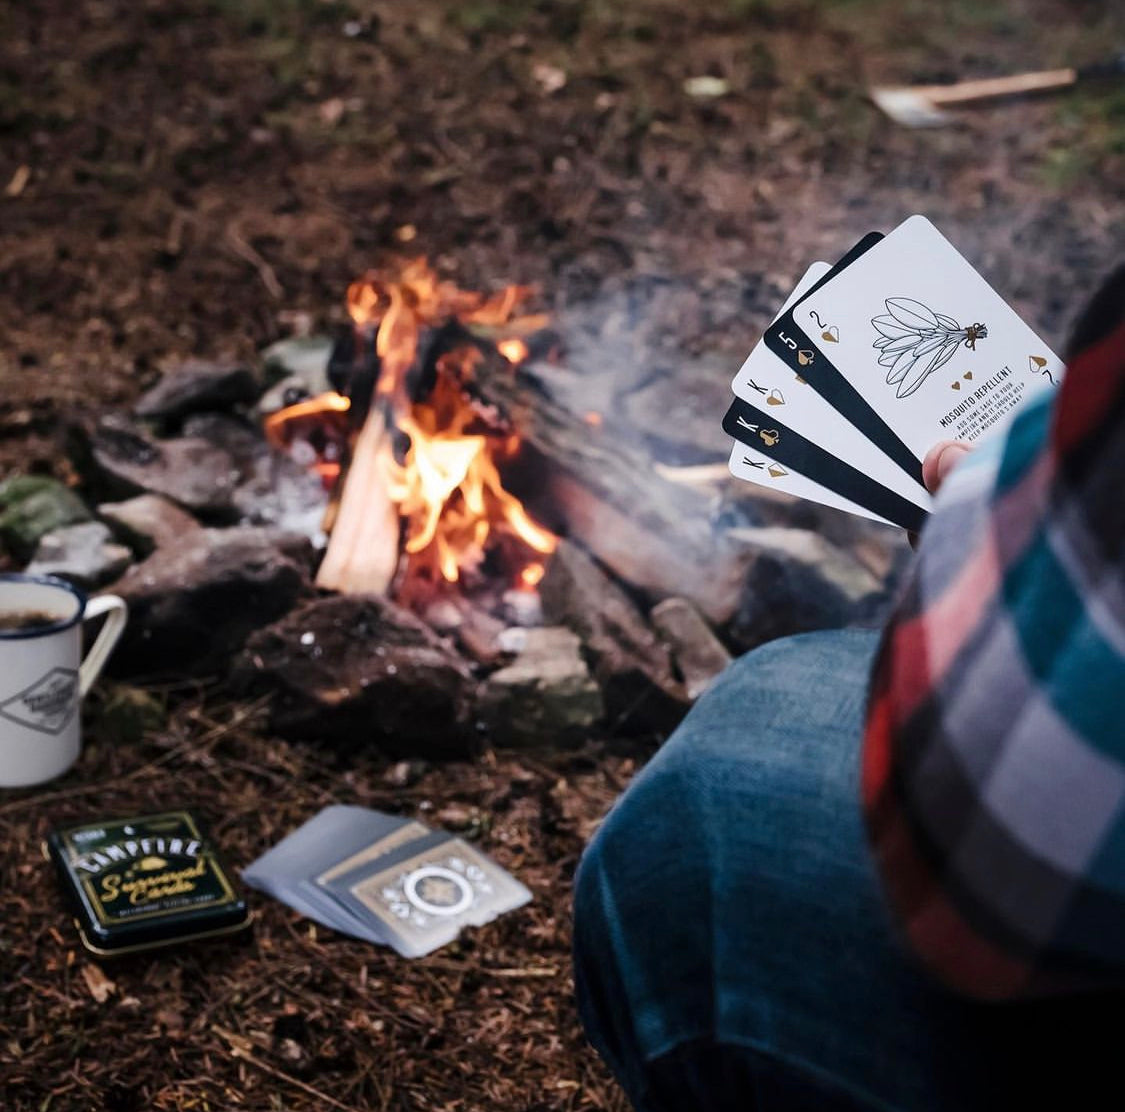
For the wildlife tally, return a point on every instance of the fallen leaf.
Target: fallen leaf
(19, 182)
(100, 986)
(706, 87)
(550, 78)
(332, 111)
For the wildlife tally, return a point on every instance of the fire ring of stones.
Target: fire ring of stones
(417, 534)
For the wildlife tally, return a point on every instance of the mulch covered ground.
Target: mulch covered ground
(180, 177)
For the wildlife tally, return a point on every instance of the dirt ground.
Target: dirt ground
(180, 177)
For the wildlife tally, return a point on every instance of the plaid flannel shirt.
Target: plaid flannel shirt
(994, 757)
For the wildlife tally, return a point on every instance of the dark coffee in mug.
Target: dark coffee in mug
(12, 621)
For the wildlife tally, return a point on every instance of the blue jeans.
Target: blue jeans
(732, 947)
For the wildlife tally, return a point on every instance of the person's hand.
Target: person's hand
(939, 461)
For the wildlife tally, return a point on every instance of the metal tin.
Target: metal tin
(146, 881)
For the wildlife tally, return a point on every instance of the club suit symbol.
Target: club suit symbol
(770, 436)
(914, 341)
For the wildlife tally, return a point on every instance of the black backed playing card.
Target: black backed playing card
(763, 432)
(790, 344)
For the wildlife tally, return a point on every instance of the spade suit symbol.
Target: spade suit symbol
(1037, 362)
(776, 397)
(804, 357)
(832, 335)
(770, 436)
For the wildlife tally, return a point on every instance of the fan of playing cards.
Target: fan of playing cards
(385, 879)
(870, 363)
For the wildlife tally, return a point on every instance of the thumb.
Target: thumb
(940, 460)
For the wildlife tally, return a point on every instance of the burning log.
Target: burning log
(362, 554)
(654, 534)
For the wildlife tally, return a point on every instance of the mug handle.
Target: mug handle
(117, 612)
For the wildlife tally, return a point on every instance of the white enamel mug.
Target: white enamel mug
(43, 677)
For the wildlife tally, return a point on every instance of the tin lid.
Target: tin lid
(145, 881)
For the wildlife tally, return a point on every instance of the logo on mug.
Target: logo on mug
(47, 705)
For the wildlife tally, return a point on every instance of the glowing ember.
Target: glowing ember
(532, 575)
(447, 487)
(515, 350)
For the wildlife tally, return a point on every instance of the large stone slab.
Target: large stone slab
(148, 522)
(191, 471)
(699, 655)
(632, 667)
(359, 670)
(192, 604)
(198, 387)
(800, 581)
(546, 697)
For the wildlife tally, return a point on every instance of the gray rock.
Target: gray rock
(192, 604)
(83, 554)
(275, 490)
(147, 522)
(632, 667)
(196, 387)
(298, 365)
(546, 697)
(192, 472)
(279, 492)
(31, 506)
(698, 653)
(357, 670)
(799, 582)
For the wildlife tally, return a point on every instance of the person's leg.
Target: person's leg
(732, 947)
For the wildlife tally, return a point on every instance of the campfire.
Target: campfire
(413, 457)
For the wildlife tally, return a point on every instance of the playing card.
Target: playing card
(776, 393)
(791, 451)
(334, 834)
(927, 347)
(420, 897)
(753, 467)
(385, 879)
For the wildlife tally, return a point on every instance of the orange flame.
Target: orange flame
(447, 488)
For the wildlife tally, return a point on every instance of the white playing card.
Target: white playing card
(932, 348)
(766, 382)
(761, 470)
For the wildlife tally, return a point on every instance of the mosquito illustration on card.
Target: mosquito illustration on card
(914, 341)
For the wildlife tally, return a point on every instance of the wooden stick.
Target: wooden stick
(988, 87)
(362, 554)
